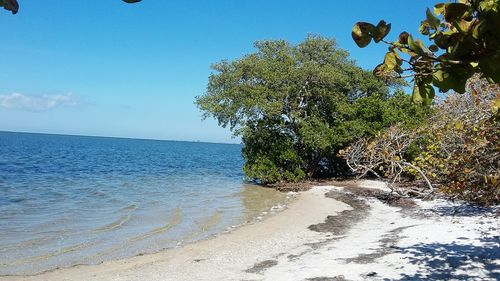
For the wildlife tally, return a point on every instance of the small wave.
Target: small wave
(175, 220)
(48, 255)
(131, 207)
(211, 221)
(206, 225)
(118, 223)
(17, 200)
(25, 244)
(107, 251)
(115, 224)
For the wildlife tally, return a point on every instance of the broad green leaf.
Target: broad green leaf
(476, 30)
(416, 96)
(403, 37)
(424, 28)
(380, 70)
(431, 19)
(380, 31)
(10, 5)
(439, 9)
(422, 47)
(450, 79)
(411, 43)
(361, 33)
(433, 48)
(390, 60)
(442, 80)
(461, 47)
(487, 5)
(441, 40)
(459, 77)
(490, 67)
(417, 46)
(426, 93)
(454, 11)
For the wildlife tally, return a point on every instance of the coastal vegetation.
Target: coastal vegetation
(307, 111)
(464, 37)
(296, 106)
(458, 147)
(457, 150)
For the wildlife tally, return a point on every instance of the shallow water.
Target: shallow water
(68, 200)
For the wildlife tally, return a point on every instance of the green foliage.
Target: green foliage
(465, 38)
(458, 150)
(296, 106)
(462, 152)
(10, 5)
(13, 6)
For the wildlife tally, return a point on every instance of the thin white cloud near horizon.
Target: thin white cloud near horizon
(37, 103)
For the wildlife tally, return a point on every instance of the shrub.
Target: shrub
(457, 150)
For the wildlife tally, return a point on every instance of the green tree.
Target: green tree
(295, 106)
(13, 5)
(465, 37)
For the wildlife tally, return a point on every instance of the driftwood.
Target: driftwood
(386, 155)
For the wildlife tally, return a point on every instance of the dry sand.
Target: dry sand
(327, 233)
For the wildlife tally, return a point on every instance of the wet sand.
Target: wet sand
(327, 233)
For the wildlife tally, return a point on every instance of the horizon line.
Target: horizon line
(117, 137)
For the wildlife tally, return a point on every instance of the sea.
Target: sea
(70, 200)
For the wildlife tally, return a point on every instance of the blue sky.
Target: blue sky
(106, 68)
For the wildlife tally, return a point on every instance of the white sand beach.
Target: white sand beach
(327, 233)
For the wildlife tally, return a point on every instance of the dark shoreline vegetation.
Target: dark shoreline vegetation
(295, 107)
(302, 109)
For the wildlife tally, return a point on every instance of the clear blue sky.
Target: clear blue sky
(106, 68)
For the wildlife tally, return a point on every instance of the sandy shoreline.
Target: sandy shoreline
(327, 233)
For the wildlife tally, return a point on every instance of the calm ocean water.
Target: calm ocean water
(68, 200)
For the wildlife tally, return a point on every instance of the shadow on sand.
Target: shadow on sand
(438, 261)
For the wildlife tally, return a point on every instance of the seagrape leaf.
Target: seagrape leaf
(361, 33)
(441, 40)
(380, 31)
(451, 79)
(439, 8)
(417, 46)
(411, 43)
(490, 67)
(392, 61)
(10, 5)
(442, 80)
(380, 70)
(476, 30)
(426, 92)
(454, 11)
(431, 19)
(403, 37)
(424, 28)
(416, 96)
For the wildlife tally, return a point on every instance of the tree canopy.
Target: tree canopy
(465, 38)
(295, 106)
